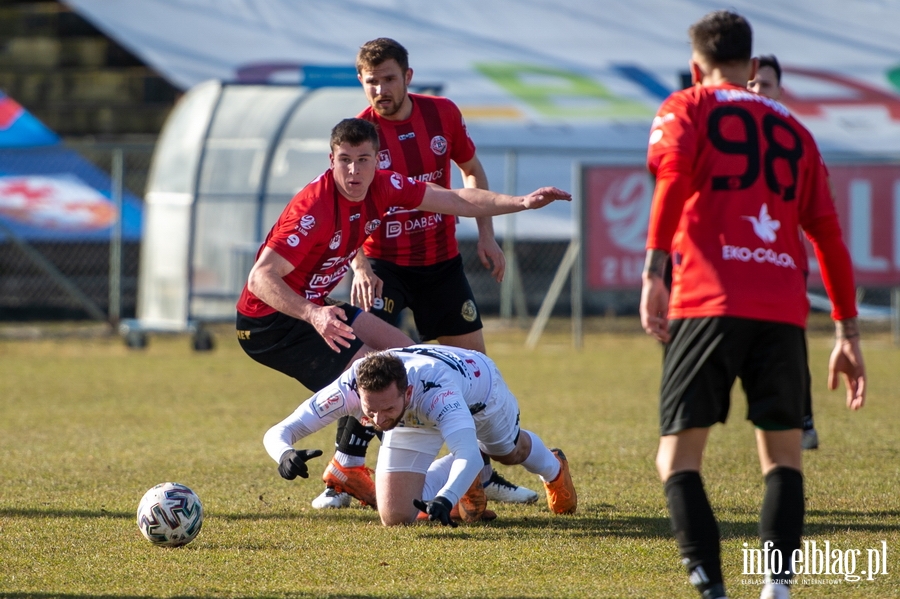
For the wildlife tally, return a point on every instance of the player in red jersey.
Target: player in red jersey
(413, 260)
(767, 82)
(736, 178)
(284, 318)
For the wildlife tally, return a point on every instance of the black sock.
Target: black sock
(781, 519)
(353, 438)
(695, 528)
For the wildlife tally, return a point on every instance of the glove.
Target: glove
(437, 509)
(293, 463)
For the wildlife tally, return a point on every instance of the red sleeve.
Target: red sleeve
(835, 263)
(391, 189)
(673, 188)
(462, 148)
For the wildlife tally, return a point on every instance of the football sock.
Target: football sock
(781, 519)
(437, 476)
(695, 529)
(487, 470)
(540, 461)
(348, 461)
(354, 437)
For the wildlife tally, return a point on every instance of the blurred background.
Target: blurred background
(147, 146)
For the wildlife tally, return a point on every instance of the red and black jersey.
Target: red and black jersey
(737, 177)
(320, 231)
(422, 148)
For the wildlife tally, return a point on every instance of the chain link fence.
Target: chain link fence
(67, 278)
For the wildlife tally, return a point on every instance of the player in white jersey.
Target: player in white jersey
(421, 397)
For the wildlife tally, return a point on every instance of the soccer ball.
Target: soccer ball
(170, 515)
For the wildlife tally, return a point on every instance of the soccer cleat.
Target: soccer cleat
(773, 590)
(473, 504)
(331, 499)
(356, 481)
(716, 591)
(561, 496)
(486, 515)
(810, 439)
(500, 489)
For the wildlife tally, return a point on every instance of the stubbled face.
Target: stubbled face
(765, 83)
(354, 169)
(386, 88)
(385, 409)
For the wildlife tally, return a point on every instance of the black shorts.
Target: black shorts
(704, 357)
(295, 348)
(438, 295)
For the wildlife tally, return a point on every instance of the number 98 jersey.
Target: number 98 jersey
(753, 175)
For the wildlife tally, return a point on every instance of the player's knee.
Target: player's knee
(393, 518)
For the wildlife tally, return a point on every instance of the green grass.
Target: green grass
(87, 426)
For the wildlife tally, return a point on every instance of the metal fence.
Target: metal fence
(97, 279)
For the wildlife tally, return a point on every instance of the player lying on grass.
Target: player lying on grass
(421, 397)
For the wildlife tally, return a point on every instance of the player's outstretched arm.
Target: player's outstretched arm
(847, 361)
(482, 202)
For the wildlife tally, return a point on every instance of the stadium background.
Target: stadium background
(109, 107)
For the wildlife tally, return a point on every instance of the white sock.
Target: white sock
(541, 461)
(348, 461)
(437, 476)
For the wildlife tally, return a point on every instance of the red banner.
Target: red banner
(617, 209)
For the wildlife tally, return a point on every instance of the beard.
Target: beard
(389, 110)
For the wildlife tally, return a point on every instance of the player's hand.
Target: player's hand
(655, 307)
(366, 285)
(293, 463)
(492, 257)
(846, 360)
(438, 509)
(543, 196)
(329, 323)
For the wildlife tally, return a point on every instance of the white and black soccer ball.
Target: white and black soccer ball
(170, 515)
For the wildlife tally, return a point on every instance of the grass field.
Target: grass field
(86, 426)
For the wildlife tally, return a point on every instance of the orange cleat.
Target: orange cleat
(561, 496)
(472, 505)
(356, 481)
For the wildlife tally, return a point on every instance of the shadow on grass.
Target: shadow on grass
(602, 522)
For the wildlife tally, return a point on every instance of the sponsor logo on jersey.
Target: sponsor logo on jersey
(323, 280)
(439, 145)
(450, 407)
(759, 255)
(372, 225)
(308, 221)
(405, 136)
(312, 295)
(384, 159)
(424, 222)
(293, 240)
(354, 217)
(393, 229)
(764, 226)
(335, 241)
(397, 181)
(656, 132)
(428, 177)
(440, 398)
(331, 263)
(473, 366)
(326, 404)
(469, 311)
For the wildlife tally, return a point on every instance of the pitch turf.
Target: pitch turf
(87, 426)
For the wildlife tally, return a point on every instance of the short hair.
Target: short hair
(355, 132)
(378, 370)
(769, 60)
(373, 53)
(722, 37)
